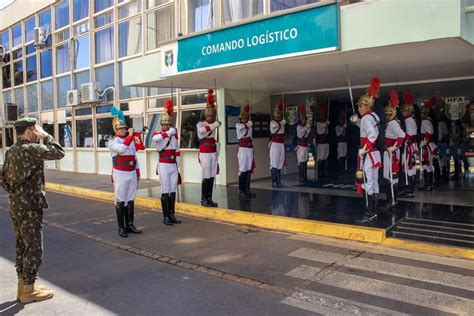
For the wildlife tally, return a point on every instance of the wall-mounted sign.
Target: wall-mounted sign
(455, 107)
(168, 59)
(310, 31)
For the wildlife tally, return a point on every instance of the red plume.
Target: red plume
(247, 108)
(431, 102)
(409, 98)
(281, 104)
(169, 107)
(303, 108)
(394, 101)
(210, 98)
(374, 87)
(210, 91)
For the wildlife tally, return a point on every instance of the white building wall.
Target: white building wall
(21, 9)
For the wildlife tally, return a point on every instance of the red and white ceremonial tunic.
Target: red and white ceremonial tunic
(369, 133)
(411, 148)
(126, 171)
(429, 148)
(207, 149)
(167, 145)
(341, 141)
(322, 140)
(277, 144)
(245, 153)
(302, 132)
(394, 136)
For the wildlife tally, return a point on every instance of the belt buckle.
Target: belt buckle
(130, 163)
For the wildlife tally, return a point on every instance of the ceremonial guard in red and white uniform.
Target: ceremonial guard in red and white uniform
(207, 132)
(443, 139)
(369, 154)
(410, 147)
(277, 144)
(167, 145)
(302, 132)
(245, 154)
(428, 147)
(394, 138)
(340, 130)
(125, 173)
(322, 140)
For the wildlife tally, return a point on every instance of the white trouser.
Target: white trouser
(322, 151)
(208, 164)
(371, 173)
(245, 157)
(428, 152)
(387, 168)
(277, 155)
(341, 150)
(125, 185)
(168, 173)
(302, 153)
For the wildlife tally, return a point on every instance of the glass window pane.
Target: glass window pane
(160, 26)
(105, 132)
(62, 35)
(47, 95)
(49, 128)
(130, 9)
(7, 96)
(19, 100)
(31, 73)
(65, 134)
(159, 103)
(80, 9)
(63, 86)
(17, 53)
(189, 119)
(104, 48)
(45, 18)
(100, 109)
(32, 95)
(81, 28)
(102, 4)
(200, 15)
(30, 49)
(30, 29)
(62, 14)
(105, 77)
(237, 10)
(154, 125)
(6, 76)
(130, 37)
(128, 92)
(104, 19)
(194, 98)
(154, 3)
(277, 5)
(16, 34)
(18, 72)
(84, 134)
(5, 40)
(62, 59)
(158, 91)
(46, 64)
(9, 136)
(82, 52)
(82, 77)
(84, 111)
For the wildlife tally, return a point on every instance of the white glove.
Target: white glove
(308, 126)
(249, 124)
(327, 123)
(283, 122)
(392, 148)
(362, 151)
(423, 143)
(354, 119)
(216, 124)
(171, 132)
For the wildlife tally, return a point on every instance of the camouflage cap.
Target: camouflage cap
(25, 122)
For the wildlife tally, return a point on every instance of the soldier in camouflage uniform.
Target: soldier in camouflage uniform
(23, 179)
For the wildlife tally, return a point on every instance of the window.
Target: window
(32, 97)
(17, 53)
(237, 10)
(84, 136)
(18, 72)
(62, 14)
(62, 59)
(9, 136)
(158, 91)
(62, 35)
(201, 14)
(128, 92)
(154, 3)
(197, 98)
(104, 45)
(49, 128)
(82, 52)
(47, 95)
(65, 134)
(31, 73)
(16, 35)
(82, 77)
(105, 132)
(5, 40)
(189, 119)
(160, 26)
(83, 111)
(154, 124)
(134, 7)
(103, 109)
(159, 103)
(7, 97)
(45, 18)
(104, 19)
(80, 9)
(63, 85)
(105, 77)
(7, 80)
(30, 29)
(30, 49)
(102, 4)
(277, 5)
(81, 28)
(19, 100)
(130, 37)
(46, 64)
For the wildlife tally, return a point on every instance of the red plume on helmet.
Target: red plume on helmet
(374, 87)
(303, 109)
(394, 101)
(210, 98)
(247, 108)
(409, 98)
(281, 104)
(431, 102)
(169, 107)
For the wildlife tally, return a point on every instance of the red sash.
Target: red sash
(125, 163)
(168, 156)
(246, 142)
(303, 141)
(278, 138)
(322, 139)
(208, 145)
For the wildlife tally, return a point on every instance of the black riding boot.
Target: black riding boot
(165, 207)
(425, 181)
(369, 214)
(305, 171)
(412, 180)
(130, 218)
(247, 185)
(375, 207)
(430, 178)
(278, 177)
(120, 210)
(274, 178)
(242, 186)
(204, 193)
(209, 193)
(301, 171)
(172, 202)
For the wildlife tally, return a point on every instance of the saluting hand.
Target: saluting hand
(131, 131)
(40, 132)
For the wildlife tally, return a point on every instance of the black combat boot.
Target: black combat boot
(320, 168)
(204, 193)
(242, 184)
(301, 171)
(130, 218)
(165, 207)
(305, 171)
(430, 178)
(120, 210)
(274, 179)
(369, 214)
(172, 203)
(375, 208)
(278, 177)
(247, 185)
(412, 186)
(209, 193)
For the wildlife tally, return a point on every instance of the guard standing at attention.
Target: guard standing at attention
(245, 154)
(276, 146)
(302, 132)
(23, 179)
(411, 147)
(429, 148)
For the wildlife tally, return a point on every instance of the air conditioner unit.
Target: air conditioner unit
(11, 112)
(72, 97)
(89, 92)
(41, 37)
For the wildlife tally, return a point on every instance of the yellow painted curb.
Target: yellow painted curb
(293, 225)
(447, 251)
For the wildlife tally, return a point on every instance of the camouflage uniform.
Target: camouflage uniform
(23, 179)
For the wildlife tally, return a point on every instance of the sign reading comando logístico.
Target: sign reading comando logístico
(300, 33)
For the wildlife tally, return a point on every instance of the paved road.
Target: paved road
(208, 268)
